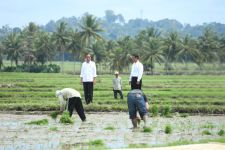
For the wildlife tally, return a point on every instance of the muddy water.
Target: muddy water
(15, 134)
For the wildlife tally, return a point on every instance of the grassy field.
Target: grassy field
(183, 93)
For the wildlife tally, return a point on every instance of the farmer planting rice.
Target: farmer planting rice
(137, 102)
(70, 99)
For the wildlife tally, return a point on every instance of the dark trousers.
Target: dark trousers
(88, 91)
(134, 84)
(75, 102)
(118, 91)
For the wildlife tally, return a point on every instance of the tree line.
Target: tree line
(32, 45)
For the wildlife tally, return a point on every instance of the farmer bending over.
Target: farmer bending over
(137, 102)
(70, 99)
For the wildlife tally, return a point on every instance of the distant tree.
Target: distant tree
(208, 45)
(29, 37)
(61, 38)
(171, 46)
(188, 50)
(12, 46)
(1, 55)
(45, 49)
(90, 29)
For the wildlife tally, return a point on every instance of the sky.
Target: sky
(18, 13)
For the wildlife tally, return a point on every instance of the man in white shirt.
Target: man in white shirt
(70, 99)
(88, 76)
(137, 70)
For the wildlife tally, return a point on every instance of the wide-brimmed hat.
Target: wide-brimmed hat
(116, 72)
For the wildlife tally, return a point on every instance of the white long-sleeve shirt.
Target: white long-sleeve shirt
(136, 70)
(88, 71)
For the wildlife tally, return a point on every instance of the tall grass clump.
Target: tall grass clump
(65, 118)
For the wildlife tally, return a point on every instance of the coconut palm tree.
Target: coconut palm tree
(188, 50)
(61, 38)
(208, 45)
(152, 53)
(171, 46)
(45, 49)
(90, 29)
(12, 46)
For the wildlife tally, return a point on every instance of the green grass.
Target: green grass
(183, 94)
(109, 128)
(38, 122)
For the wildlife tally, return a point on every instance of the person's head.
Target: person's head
(116, 73)
(135, 57)
(88, 58)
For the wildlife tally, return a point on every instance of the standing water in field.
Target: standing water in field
(109, 129)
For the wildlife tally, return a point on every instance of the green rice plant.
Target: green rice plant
(168, 129)
(141, 145)
(208, 125)
(166, 111)
(155, 110)
(206, 132)
(184, 115)
(54, 115)
(221, 132)
(147, 129)
(53, 129)
(109, 128)
(65, 118)
(38, 122)
(96, 143)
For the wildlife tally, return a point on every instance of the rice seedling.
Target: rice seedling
(206, 132)
(155, 111)
(65, 118)
(54, 115)
(221, 132)
(168, 129)
(109, 128)
(38, 122)
(53, 129)
(147, 129)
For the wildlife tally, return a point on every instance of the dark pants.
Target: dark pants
(134, 84)
(88, 91)
(75, 102)
(118, 91)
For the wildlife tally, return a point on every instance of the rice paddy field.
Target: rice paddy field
(181, 93)
(184, 109)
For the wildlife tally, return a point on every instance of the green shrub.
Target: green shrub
(109, 128)
(38, 122)
(96, 143)
(65, 118)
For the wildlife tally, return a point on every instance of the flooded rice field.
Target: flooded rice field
(114, 129)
